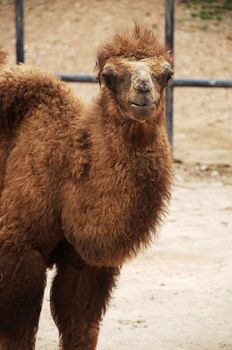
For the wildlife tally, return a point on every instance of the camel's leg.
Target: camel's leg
(22, 282)
(79, 297)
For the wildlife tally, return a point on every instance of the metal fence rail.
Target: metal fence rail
(19, 26)
(169, 37)
(81, 78)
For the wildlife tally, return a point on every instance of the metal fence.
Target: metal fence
(82, 78)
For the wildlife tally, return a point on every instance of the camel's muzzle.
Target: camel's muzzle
(142, 106)
(141, 113)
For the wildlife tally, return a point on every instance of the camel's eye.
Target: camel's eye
(109, 76)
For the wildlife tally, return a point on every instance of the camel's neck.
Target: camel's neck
(125, 188)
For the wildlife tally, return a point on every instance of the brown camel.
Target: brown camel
(81, 187)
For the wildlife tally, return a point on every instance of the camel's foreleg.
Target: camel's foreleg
(79, 297)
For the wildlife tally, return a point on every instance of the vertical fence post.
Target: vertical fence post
(169, 38)
(19, 31)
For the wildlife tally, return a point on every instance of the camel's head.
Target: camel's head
(135, 69)
(137, 86)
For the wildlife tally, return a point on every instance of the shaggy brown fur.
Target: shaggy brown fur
(82, 187)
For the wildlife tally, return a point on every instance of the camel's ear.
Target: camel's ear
(109, 76)
(98, 78)
(167, 73)
(170, 56)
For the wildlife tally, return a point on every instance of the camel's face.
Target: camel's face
(137, 85)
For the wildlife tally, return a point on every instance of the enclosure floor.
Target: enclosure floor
(178, 294)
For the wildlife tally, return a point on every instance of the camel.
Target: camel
(82, 187)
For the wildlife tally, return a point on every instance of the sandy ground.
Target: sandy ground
(178, 295)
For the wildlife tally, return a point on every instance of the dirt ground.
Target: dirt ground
(178, 295)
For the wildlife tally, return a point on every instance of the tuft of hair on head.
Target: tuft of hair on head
(138, 44)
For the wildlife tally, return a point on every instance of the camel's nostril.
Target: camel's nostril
(143, 86)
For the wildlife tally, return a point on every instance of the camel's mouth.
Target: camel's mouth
(142, 111)
(136, 105)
